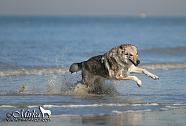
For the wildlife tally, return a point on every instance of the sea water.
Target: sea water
(35, 53)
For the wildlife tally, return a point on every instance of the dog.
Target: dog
(115, 64)
(44, 111)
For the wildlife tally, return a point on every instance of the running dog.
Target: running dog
(115, 64)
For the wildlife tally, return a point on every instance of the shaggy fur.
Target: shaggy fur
(115, 64)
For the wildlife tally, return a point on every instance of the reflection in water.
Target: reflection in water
(130, 118)
(156, 118)
(116, 119)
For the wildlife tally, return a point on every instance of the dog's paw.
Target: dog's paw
(155, 77)
(139, 83)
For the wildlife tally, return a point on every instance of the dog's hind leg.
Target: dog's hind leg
(134, 78)
(134, 69)
(97, 86)
(87, 78)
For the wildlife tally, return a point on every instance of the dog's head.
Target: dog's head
(128, 54)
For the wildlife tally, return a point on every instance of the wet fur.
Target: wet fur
(115, 64)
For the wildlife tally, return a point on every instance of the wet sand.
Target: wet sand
(174, 117)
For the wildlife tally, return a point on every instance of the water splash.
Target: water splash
(59, 70)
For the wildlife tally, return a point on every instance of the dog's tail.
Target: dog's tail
(75, 67)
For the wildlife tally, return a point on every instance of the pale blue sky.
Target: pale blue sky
(93, 7)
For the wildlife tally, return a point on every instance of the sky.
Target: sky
(93, 7)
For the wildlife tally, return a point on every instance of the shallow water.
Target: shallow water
(165, 94)
(35, 53)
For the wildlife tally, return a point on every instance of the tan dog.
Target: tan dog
(115, 64)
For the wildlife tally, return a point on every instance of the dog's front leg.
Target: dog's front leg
(134, 78)
(135, 69)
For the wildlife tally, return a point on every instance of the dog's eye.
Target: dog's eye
(131, 55)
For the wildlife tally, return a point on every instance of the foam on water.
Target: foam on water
(114, 108)
(165, 66)
(58, 70)
(7, 106)
(33, 71)
(86, 105)
(101, 105)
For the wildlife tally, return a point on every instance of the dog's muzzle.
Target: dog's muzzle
(137, 62)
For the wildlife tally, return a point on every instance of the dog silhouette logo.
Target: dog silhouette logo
(44, 112)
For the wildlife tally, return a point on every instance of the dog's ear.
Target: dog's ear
(121, 47)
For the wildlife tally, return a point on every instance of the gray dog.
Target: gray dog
(115, 64)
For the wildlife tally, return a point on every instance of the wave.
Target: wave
(32, 71)
(102, 105)
(130, 111)
(115, 107)
(165, 66)
(57, 70)
(84, 105)
(7, 106)
(130, 107)
(173, 50)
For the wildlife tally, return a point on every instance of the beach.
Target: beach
(36, 52)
